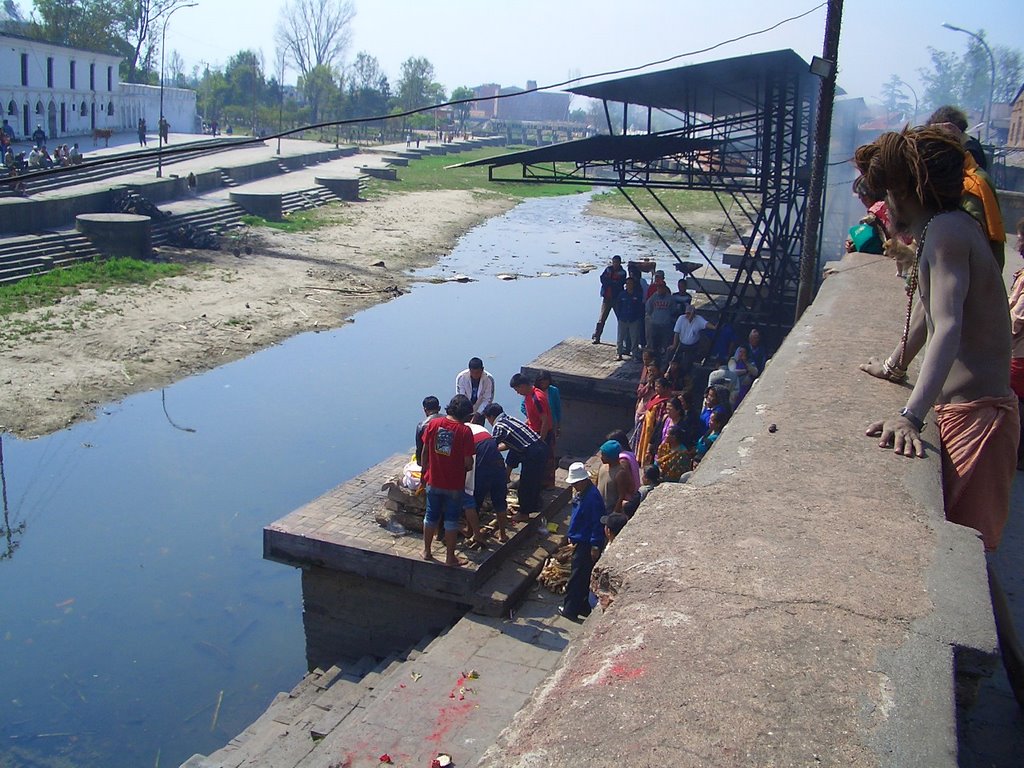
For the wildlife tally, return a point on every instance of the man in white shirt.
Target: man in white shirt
(476, 384)
(686, 337)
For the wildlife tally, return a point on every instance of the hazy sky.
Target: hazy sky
(476, 41)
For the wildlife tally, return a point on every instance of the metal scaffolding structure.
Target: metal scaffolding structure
(743, 131)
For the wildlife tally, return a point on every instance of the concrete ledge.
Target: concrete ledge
(345, 187)
(801, 602)
(377, 172)
(117, 235)
(264, 204)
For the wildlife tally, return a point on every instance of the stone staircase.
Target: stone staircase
(217, 219)
(27, 255)
(453, 693)
(306, 199)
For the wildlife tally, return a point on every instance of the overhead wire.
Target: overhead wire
(457, 102)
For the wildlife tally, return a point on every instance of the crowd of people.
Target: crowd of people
(39, 157)
(462, 466)
(461, 460)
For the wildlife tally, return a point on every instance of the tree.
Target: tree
(966, 80)
(315, 33)
(176, 70)
(125, 27)
(462, 110)
(320, 87)
(416, 86)
(895, 99)
(1009, 73)
(368, 88)
(87, 24)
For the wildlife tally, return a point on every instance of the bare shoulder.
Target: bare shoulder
(954, 230)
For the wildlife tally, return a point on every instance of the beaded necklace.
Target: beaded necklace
(912, 283)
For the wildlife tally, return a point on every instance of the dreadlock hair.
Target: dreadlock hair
(925, 162)
(949, 114)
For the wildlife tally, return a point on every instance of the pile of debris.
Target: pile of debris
(188, 235)
(402, 507)
(555, 574)
(183, 235)
(127, 201)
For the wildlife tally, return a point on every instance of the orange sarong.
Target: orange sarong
(979, 459)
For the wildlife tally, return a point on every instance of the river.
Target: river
(136, 597)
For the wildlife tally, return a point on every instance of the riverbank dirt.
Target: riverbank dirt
(62, 362)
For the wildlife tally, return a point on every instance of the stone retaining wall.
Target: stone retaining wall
(801, 602)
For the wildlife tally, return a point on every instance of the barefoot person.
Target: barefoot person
(960, 303)
(448, 454)
(525, 449)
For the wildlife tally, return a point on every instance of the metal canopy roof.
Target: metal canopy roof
(642, 148)
(722, 87)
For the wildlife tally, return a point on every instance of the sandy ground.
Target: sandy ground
(61, 362)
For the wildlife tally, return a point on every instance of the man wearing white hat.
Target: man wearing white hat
(585, 530)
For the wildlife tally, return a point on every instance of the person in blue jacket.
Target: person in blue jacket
(585, 531)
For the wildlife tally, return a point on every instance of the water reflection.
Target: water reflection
(138, 617)
(11, 531)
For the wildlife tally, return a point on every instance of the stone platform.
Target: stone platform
(598, 392)
(339, 532)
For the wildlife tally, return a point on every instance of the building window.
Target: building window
(92, 77)
(72, 75)
(24, 69)
(110, 108)
(110, 79)
(49, 71)
(12, 108)
(84, 110)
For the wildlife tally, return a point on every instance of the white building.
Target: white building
(71, 92)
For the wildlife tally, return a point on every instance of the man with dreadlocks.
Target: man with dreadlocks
(956, 300)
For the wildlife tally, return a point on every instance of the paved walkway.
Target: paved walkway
(992, 731)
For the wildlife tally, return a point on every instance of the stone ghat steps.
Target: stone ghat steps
(23, 256)
(453, 694)
(306, 199)
(217, 220)
(295, 722)
(142, 160)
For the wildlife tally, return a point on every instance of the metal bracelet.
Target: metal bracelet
(893, 373)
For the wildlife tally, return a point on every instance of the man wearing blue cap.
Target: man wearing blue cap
(613, 480)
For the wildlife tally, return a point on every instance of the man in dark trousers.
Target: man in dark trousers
(585, 530)
(525, 450)
(613, 279)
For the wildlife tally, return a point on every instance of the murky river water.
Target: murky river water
(137, 592)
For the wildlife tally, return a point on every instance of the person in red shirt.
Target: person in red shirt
(448, 453)
(539, 419)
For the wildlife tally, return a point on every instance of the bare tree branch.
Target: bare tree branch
(315, 33)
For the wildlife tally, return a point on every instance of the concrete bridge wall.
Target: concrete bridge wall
(801, 602)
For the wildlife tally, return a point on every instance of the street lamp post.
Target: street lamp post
(904, 82)
(992, 78)
(160, 125)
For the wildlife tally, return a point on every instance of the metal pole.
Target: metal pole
(822, 135)
(160, 122)
(280, 102)
(992, 76)
(159, 125)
